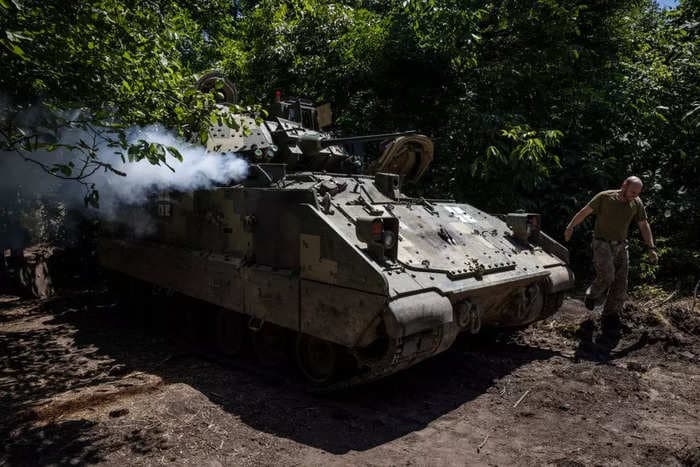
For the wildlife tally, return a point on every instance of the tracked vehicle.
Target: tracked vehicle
(365, 279)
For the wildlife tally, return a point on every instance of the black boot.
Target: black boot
(589, 302)
(610, 323)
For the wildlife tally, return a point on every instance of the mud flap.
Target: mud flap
(561, 278)
(416, 313)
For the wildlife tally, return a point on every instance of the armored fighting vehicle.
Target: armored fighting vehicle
(364, 279)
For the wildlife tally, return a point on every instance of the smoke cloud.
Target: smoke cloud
(199, 169)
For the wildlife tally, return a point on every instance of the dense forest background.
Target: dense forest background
(532, 104)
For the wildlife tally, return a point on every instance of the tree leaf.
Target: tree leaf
(175, 153)
(17, 50)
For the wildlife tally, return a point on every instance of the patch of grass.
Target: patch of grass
(567, 330)
(646, 292)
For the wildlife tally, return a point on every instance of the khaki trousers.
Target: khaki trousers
(611, 262)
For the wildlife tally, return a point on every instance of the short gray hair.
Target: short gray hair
(633, 180)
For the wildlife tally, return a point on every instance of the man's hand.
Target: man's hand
(578, 218)
(653, 257)
(567, 233)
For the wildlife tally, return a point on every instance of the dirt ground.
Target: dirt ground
(82, 382)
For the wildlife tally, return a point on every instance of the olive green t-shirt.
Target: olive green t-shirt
(613, 216)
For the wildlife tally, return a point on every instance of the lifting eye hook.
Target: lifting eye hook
(326, 203)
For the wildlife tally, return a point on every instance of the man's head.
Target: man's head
(631, 188)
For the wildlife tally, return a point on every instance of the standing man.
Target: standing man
(614, 210)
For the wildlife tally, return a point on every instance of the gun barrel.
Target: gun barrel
(364, 139)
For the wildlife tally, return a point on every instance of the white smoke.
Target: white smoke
(199, 169)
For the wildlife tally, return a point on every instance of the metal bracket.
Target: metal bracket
(255, 324)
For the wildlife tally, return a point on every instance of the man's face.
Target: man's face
(631, 190)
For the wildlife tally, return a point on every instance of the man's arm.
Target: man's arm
(645, 228)
(577, 219)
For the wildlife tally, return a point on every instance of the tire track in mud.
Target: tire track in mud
(67, 404)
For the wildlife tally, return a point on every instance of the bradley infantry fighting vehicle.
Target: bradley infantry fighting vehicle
(363, 279)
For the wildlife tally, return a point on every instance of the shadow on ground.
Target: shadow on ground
(81, 341)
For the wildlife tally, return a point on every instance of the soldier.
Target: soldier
(614, 210)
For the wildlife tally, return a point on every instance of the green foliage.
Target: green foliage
(522, 155)
(648, 292)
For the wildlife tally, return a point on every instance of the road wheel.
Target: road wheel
(317, 359)
(270, 345)
(552, 302)
(185, 319)
(230, 332)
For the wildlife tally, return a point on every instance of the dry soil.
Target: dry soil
(83, 382)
